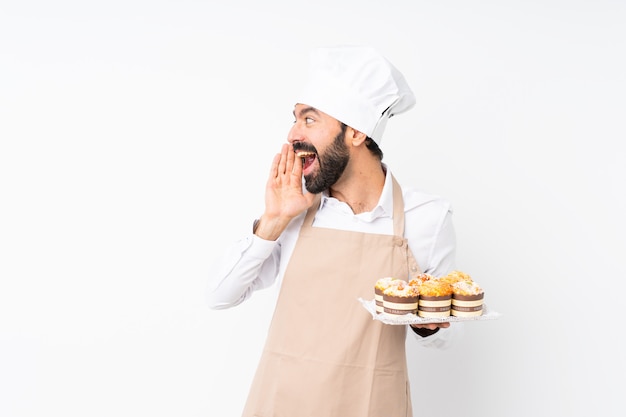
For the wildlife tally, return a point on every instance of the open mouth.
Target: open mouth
(307, 158)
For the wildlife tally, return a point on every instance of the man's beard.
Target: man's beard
(331, 166)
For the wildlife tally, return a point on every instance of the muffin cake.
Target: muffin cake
(421, 278)
(380, 287)
(400, 299)
(456, 276)
(467, 299)
(435, 299)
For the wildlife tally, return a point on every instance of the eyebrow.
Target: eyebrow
(306, 110)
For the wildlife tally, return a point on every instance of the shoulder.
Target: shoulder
(416, 199)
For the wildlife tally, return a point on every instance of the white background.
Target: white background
(135, 140)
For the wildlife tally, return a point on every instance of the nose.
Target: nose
(295, 134)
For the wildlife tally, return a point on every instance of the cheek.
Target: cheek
(322, 140)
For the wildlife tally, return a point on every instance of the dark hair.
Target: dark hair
(373, 147)
(369, 142)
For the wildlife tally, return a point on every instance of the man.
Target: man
(326, 246)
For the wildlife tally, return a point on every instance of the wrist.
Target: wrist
(269, 228)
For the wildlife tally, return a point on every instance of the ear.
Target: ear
(355, 137)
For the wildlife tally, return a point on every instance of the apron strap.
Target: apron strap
(398, 209)
(310, 214)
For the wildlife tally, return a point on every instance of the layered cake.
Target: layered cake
(400, 299)
(380, 287)
(435, 298)
(467, 299)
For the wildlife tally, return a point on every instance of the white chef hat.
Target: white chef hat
(357, 86)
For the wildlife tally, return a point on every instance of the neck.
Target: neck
(360, 190)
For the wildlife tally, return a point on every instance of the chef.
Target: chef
(335, 221)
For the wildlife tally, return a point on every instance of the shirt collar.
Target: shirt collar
(384, 208)
(386, 197)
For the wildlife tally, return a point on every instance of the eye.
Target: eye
(308, 120)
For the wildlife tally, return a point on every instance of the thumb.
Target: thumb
(310, 197)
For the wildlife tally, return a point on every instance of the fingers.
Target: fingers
(290, 156)
(286, 163)
(282, 164)
(274, 167)
(297, 166)
(431, 326)
(279, 163)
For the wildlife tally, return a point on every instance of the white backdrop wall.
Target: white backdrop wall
(135, 140)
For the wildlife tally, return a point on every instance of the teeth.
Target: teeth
(302, 154)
